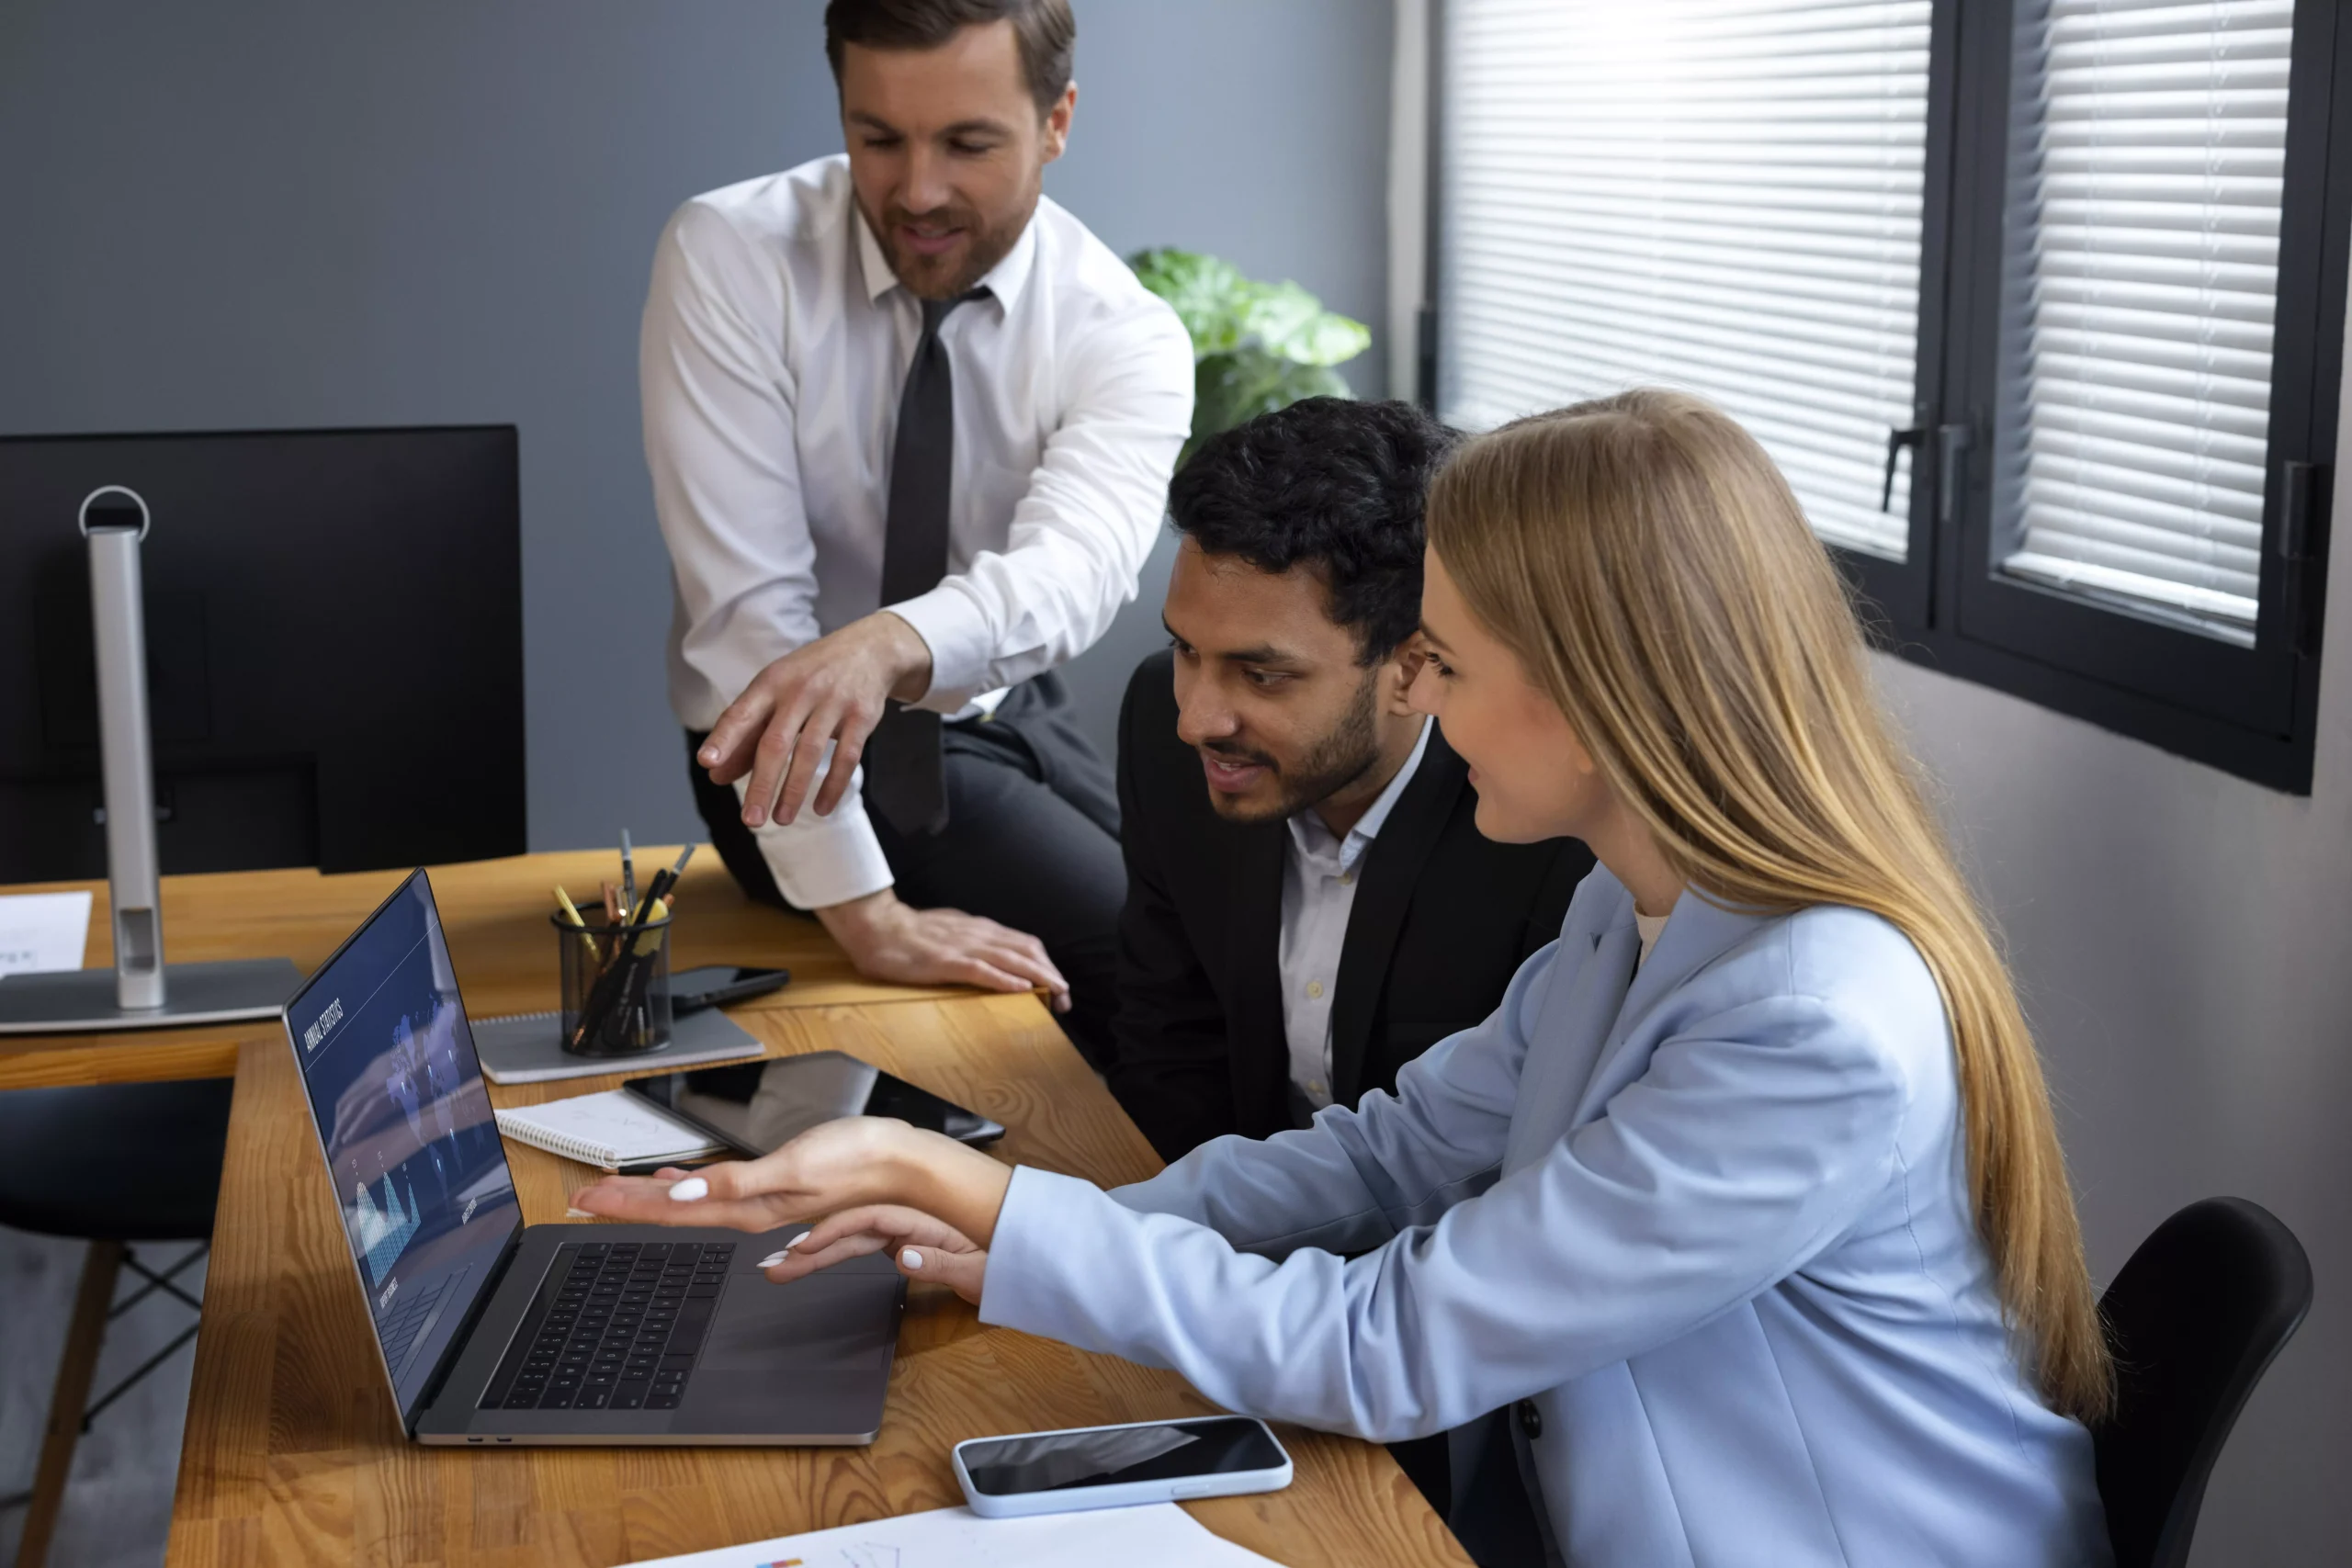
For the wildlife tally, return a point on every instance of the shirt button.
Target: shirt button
(1531, 1420)
(1347, 879)
(1315, 1086)
(1315, 990)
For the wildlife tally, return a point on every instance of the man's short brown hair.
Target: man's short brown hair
(1047, 32)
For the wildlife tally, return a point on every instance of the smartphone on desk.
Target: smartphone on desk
(715, 985)
(1119, 1467)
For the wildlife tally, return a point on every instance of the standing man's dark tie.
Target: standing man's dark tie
(905, 780)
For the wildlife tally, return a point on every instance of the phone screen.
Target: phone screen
(1058, 1461)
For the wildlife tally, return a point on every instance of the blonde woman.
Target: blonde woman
(1740, 1230)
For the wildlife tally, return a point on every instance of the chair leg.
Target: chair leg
(83, 1336)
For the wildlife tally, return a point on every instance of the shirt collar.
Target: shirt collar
(1004, 281)
(1311, 835)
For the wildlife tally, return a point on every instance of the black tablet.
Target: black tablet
(756, 1107)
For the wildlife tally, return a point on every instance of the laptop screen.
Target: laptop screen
(396, 1092)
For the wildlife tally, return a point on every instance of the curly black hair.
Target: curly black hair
(1330, 483)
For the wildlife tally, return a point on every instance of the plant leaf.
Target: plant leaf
(1329, 339)
(1233, 387)
(1206, 293)
(1277, 313)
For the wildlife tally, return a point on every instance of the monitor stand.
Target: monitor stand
(78, 1000)
(141, 991)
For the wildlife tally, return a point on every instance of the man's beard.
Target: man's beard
(1341, 757)
(984, 247)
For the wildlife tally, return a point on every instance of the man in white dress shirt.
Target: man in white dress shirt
(911, 426)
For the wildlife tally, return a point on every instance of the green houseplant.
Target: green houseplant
(1256, 347)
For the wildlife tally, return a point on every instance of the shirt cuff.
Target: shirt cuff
(1022, 1288)
(818, 860)
(955, 631)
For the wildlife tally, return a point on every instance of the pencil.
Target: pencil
(572, 912)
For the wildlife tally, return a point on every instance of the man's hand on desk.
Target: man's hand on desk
(831, 690)
(888, 940)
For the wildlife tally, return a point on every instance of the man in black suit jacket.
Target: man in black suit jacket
(1277, 787)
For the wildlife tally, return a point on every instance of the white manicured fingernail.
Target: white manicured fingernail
(771, 1259)
(687, 1192)
(796, 1241)
(911, 1259)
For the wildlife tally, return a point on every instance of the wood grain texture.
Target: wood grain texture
(495, 912)
(293, 1454)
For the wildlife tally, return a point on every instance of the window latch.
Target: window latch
(1896, 440)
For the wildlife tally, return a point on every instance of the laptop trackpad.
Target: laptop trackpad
(831, 1323)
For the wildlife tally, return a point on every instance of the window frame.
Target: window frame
(2251, 713)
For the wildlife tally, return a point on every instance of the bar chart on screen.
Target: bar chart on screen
(1160, 1535)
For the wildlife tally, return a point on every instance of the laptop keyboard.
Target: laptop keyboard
(616, 1326)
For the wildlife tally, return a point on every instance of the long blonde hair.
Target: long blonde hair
(1651, 569)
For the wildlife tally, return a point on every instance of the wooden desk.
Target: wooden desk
(495, 912)
(294, 1454)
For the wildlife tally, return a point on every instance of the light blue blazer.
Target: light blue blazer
(1711, 1219)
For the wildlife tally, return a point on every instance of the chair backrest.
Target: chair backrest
(2194, 1320)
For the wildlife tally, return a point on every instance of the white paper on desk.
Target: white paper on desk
(1158, 1535)
(41, 931)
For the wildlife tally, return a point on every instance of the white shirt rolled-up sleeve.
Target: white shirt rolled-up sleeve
(718, 408)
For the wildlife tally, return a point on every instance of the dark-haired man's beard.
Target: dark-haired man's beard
(951, 275)
(1343, 755)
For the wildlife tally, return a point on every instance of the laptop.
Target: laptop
(491, 1331)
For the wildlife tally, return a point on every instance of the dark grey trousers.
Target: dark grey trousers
(1031, 841)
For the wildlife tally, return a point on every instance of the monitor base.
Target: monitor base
(83, 1001)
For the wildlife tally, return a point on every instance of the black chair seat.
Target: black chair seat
(2194, 1320)
(126, 1162)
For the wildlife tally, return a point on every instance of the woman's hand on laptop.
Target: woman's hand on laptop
(922, 1247)
(858, 1162)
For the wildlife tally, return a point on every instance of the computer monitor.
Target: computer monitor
(335, 649)
(396, 1092)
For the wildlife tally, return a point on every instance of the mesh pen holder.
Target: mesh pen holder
(616, 984)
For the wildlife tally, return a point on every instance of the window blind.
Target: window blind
(1717, 195)
(2148, 143)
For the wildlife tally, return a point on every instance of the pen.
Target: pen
(629, 878)
(615, 918)
(663, 880)
(655, 1167)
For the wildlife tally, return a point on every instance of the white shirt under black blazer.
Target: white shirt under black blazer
(775, 346)
(1709, 1220)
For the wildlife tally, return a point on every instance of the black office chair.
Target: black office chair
(112, 1164)
(2194, 1320)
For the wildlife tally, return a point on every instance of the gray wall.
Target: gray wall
(258, 213)
(2184, 941)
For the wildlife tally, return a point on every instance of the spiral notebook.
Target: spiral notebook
(612, 1129)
